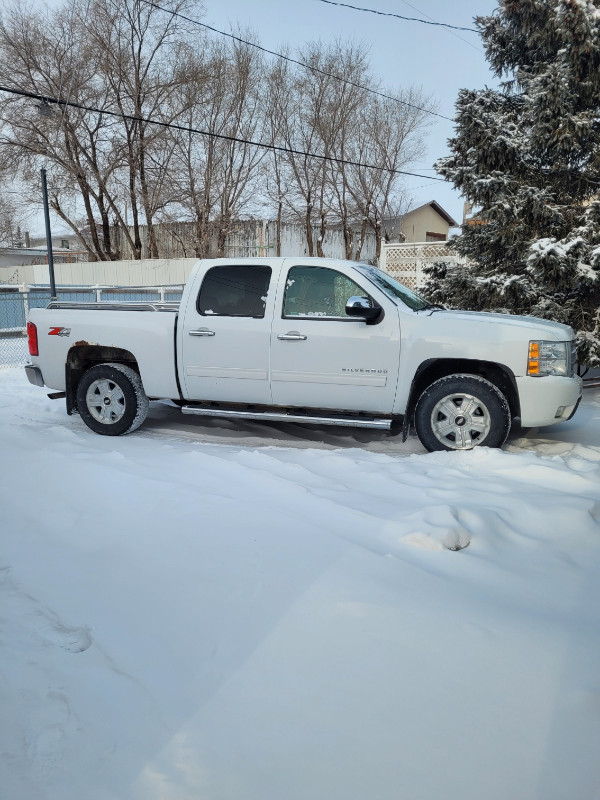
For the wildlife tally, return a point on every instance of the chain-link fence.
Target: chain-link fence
(16, 302)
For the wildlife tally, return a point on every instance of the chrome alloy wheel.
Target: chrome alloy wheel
(105, 401)
(460, 421)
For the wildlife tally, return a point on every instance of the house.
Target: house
(427, 223)
(18, 256)
(60, 242)
(66, 248)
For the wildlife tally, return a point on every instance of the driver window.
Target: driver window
(318, 292)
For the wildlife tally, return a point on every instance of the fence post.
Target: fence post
(419, 270)
(161, 290)
(24, 291)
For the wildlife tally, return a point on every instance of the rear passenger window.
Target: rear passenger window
(234, 291)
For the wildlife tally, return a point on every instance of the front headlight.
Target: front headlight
(548, 358)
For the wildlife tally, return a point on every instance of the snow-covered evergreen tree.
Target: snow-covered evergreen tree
(527, 156)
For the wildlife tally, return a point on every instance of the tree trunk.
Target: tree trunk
(224, 225)
(308, 229)
(321, 238)
(348, 241)
(378, 239)
(279, 211)
(151, 234)
(361, 240)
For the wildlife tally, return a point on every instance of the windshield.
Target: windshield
(394, 288)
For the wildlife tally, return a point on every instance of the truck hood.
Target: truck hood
(542, 328)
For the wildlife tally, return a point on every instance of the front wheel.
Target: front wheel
(460, 412)
(111, 399)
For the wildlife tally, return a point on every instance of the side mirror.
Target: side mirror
(365, 308)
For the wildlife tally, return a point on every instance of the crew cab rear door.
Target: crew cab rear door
(323, 358)
(225, 333)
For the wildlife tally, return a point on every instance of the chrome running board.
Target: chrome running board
(273, 416)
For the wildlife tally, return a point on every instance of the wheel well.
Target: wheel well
(83, 356)
(434, 369)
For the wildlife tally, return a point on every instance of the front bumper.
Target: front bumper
(548, 400)
(34, 375)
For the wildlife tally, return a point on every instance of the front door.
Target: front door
(226, 334)
(320, 357)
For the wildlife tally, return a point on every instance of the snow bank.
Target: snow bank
(192, 612)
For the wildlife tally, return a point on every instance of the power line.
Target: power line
(456, 35)
(296, 61)
(399, 16)
(188, 129)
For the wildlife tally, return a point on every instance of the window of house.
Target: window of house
(234, 291)
(64, 243)
(318, 292)
(435, 237)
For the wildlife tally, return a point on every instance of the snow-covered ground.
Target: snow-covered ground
(215, 611)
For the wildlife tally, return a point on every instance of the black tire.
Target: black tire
(485, 418)
(111, 399)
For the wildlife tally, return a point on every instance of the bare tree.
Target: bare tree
(304, 128)
(133, 62)
(114, 56)
(237, 167)
(11, 218)
(218, 171)
(390, 135)
(137, 48)
(276, 174)
(196, 157)
(329, 110)
(38, 57)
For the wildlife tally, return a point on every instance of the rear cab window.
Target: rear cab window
(234, 291)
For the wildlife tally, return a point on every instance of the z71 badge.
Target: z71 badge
(59, 332)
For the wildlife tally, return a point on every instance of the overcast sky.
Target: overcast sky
(403, 53)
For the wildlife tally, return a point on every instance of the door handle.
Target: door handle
(202, 332)
(292, 336)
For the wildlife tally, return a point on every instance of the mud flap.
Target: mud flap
(71, 400)
(405, 427)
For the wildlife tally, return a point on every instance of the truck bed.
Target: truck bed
(149, 338)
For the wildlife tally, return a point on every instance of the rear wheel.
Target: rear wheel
(111, 399)
(460, 412)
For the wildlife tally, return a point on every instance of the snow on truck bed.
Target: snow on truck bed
(229, 611)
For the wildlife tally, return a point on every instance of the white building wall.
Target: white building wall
(148, 272)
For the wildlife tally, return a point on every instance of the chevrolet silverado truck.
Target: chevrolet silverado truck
(307, 340)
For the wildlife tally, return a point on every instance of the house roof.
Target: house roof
(436, 207)
(32, 251)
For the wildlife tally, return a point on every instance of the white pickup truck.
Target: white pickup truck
(312, 341)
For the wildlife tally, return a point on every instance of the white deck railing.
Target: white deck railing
(405, 261)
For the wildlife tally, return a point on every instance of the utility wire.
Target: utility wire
(399, 16)
(295, 61)
(456, 35)
(188, 129)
